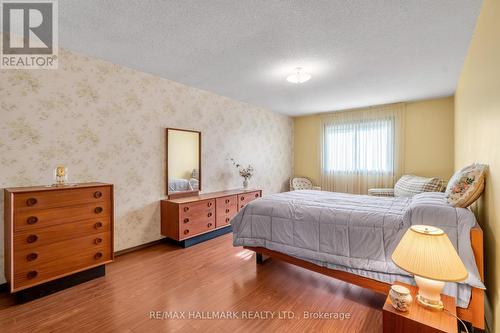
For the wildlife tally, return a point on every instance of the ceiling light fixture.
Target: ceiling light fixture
(298, 76)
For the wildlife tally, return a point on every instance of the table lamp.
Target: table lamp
(427, 252)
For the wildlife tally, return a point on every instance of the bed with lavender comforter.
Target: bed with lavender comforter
(354, 233)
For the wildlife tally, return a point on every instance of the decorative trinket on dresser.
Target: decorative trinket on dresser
(60, 175)
(400, 297)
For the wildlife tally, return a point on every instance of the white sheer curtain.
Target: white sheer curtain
(362, 149)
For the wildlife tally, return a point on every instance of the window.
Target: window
(362, 149)
(359, 146)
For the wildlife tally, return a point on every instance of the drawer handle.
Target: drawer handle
(32, 274)
(32, 220)
(186, 209)
(227, 210)
(97, 194)
(32, 238)
(98, 255)
(227, 200)
(186, 220)
(186, 231)
(31, 201)
(98, 225)
(256, 195)
(98, 210)
(98, 241)
(227, 219)
(31, 256)
(242, 198)
(209, 204)
(242, 206)
(209, 214)
(209, 225)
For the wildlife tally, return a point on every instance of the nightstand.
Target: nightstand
(419, 319)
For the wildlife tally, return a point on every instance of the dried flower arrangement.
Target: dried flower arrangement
(246, 173)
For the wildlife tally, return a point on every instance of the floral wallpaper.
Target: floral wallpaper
(107, 123)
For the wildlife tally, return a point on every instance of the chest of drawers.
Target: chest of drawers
(53, 232)
(192, 216)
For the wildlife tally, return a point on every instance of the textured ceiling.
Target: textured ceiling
(359, 52)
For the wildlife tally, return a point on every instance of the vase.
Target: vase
(245, 183)
(400, 298)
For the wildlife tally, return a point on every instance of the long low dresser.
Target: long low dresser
(192, 219)
(55, 232)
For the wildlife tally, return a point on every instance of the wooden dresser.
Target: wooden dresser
(185, 218)
(53, 232)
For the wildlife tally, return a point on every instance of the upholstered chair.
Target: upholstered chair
(302, 183)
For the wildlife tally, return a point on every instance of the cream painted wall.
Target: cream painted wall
(428, 140)
(107, 123)
(477, 135)
(306, 147)
(183, 154)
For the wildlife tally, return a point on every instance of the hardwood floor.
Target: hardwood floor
(211, 276)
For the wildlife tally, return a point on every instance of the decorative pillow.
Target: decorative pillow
(409, 185)
(466, 185)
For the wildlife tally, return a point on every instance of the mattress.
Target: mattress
(354, 233)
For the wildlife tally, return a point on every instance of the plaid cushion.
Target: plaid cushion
(381, 192)
(409, 185)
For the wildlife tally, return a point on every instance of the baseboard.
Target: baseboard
(488, 314)
(185, 243)
(4, 287)
(203, 237)
(139, 247)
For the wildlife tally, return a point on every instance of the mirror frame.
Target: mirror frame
(183, 193)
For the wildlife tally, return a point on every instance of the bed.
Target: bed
(351, 238)
(180, 185)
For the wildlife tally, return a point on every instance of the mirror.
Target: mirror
(183, 161)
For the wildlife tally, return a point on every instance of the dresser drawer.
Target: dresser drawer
(31, 258)
(244, 199)
(28, 220)
(231, 201)
(227, 208)
(58, 233)
(225, 212)
(60, 198)
(196, 210)
(26, 276)
(224, 219)
(195, 227)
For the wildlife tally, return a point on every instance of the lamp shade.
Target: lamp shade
(426, 251)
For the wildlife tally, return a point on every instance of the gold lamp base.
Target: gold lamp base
(430, 304)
